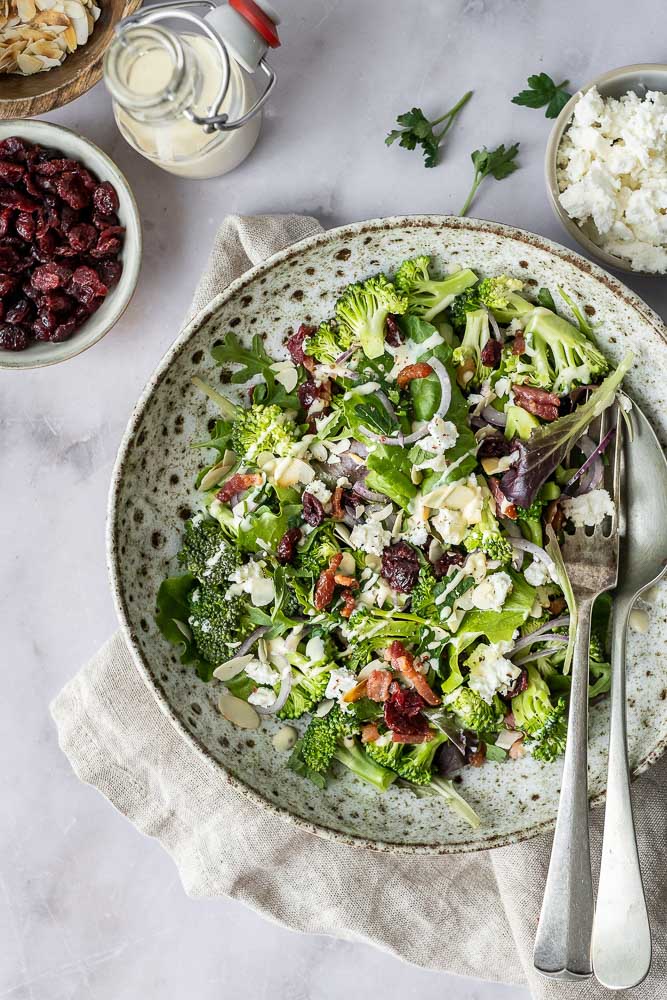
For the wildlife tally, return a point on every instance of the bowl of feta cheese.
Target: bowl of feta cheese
(606, 168)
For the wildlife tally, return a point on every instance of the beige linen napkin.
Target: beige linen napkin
(472, 914)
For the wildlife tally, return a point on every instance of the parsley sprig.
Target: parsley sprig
(543, 91)
(498, 163)
(417, 130)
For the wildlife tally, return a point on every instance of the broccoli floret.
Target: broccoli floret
(422, 597)
(263, 428)
(206, 553)
(473, 711)
(600, 674)
(316, 554)
(485, 535)
(215, 621)
(530, 521)
(532, 624)
(469, 354)
(597, 652)
(427, 296)
(332, 738)
(362, 312)
(328, 343)
(464, 303)
(416, 763)
(385, 754)
(543, 722)
(495, 293)
(560, 348)
(306, 691)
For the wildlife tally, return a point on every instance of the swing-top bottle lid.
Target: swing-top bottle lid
(248, 28)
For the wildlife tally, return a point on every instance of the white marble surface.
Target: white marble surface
(89, 908)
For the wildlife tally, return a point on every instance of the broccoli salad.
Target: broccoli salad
(376, 560)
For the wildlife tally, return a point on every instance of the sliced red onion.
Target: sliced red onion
(493, 416)
(445, 386)
(589, 476)
(283, 695)
(345, 356)
(250, 640)
(493, 323)
(367, 494)
(544, 652)
(528, 640)
(537, 553)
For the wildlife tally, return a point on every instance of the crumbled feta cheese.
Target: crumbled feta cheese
(340, 681)
(261, 672)
(491, 593)
(590, 508)
(491, 671)
(451, 525)
(262, 696)
(319, 491)
(370, 537)
(612, 174)
(250, 579)
(441, 437)
(416, 533)
(344, 482)
(502, 386)
(537, 573)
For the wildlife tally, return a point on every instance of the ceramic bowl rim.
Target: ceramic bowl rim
(134, 256)
(113, 511)
(551, 171)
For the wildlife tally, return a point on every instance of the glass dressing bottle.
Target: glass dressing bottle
(188, 102)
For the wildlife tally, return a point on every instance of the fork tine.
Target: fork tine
(618, 520)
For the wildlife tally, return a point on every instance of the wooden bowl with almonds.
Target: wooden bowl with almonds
(51, 51)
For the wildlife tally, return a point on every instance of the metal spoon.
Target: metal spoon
(621, 948)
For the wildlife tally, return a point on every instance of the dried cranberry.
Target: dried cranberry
(45, 246)
(313, 511)
(294, 343)
(286, 549)
(7, 284)
(15, 199)
(6, 215)
(68, 218)
(44, 325)
(310, 390)
(82, 236)
(58, 165)
(110, 271)
(11, 172)
(57, 302)
(106, 246)
(20, 312)
(105, 198)
(450, 558)
(519, 684)
(72, 190)
(9, 259)
(30, 291)
(25, 226)
(491, 354)
(402, 711)
(13, 338)
(63, 330)
(400, 567)
(494, 446)
(14, 148)
(393, 334)
(50, 276)
(104, 221)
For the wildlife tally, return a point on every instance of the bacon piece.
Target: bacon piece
(337, 511)
(411, 372)
(350, 603)
(477, 757)
(537, 401)
(554, 515)
(326, 584)
(557, 605)
(404, 663)
(504, 506)
(519, 345)
(369, 732)
(491, 354)
(238, 483)
(423, 736)
(378, 683)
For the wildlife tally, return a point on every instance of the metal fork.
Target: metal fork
(563, 941)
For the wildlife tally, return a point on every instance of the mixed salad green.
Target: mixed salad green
(376, 558)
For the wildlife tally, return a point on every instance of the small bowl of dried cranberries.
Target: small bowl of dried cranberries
(70, 244)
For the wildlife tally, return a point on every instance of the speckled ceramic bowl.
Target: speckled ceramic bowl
(152, 494)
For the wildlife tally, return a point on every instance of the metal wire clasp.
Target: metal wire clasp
(212, 121)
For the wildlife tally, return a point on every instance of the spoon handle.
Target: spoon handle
(563, 941)
(621, 933)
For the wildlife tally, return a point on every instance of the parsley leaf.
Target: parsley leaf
(542, 90)
(498, 163)
(417, 130)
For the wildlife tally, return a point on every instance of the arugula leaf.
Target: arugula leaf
(546, 299)
(542, 90)
(389, 473)
(498, 163)
(172, 616)
(499, 626)
(417, 130)
(253, 361)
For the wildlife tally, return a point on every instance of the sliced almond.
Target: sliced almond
(238, 712)
(285, 739)
(26, 9)
(232, 668)
(28, 64)
(70, 38)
